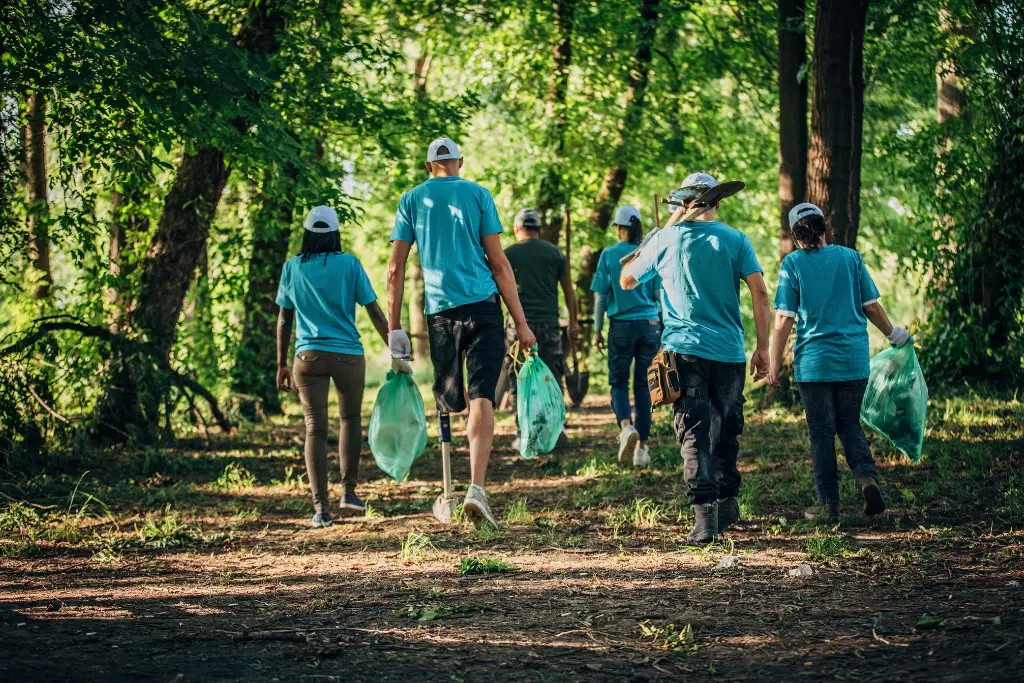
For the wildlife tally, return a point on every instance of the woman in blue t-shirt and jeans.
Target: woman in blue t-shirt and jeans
(320, 288)
(827, 291)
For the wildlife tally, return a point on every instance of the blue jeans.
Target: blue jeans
(833, 408)
(709, 421)
(632, 342)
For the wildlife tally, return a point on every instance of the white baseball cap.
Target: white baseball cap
(699, 178)
(453, 150)
(322, 219)
(801, 211)
(624, 214)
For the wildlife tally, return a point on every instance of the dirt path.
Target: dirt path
(604, 587)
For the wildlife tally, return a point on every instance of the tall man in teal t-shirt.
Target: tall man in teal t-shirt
(701, 263)
(456, 226)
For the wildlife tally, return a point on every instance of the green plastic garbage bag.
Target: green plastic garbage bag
(398, 425)
(540, 407)
(896, 401)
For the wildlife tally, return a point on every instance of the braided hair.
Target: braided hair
(636, 230)
(809, 231)
(317, 243)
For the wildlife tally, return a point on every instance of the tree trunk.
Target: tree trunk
(792, 152)
(952, 101)
(172, 259)
(837, 115)
(39, 207)
(792, 116)
(253, 372)
(615, 179)
(552, 196)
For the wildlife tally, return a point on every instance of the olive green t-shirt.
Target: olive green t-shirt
(538, 266)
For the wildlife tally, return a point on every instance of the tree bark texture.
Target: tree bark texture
(272, 224)
(552, 196)
(39, 206)
(615, 179)
(792, 115)
(837, 115)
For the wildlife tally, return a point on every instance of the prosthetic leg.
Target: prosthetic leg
(444, 505)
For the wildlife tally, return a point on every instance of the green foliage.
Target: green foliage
(416, 547)
(484, 565)
(642, 513)
(234, 477)
(668, 637)
(518, 512)
(822, 547)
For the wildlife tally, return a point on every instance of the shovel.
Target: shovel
(445, 505)
(578, 382)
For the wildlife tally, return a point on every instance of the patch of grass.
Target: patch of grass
(416, 547)
(823, 547)
(484, 565)
(371, 513)
(234, 477)
(668, 637)
(20, 519)
(642, 513)
(517, 513)
(430, 612)
(167, 530)
(294, 477)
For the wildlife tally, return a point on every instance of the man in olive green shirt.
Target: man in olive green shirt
(540, 267)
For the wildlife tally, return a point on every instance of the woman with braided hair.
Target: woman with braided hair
(826, 291)
(634, 336)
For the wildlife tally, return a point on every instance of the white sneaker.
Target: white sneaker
(476, 507)
(641, 456)
(516, 443)
(628, 439)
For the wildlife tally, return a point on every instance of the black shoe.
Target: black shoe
(874, 504)
(705, 523)
(823, 513)
(728, 512)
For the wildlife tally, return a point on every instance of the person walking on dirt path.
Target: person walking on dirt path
(539, 269)
(701, 262)
(456, 225)
(634, 335)
(826, 291)
(320, 288)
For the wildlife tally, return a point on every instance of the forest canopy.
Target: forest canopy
(158, 158)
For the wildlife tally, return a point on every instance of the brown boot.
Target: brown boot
(823, 513)
(874, 504)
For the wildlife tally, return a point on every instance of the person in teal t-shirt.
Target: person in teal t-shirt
(320, 288)
(634, 335)
(701, 263)
(827, 291)
(456, 227)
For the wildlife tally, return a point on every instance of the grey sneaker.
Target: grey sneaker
(322, 520)
(477, 508)
(728, 513)
(350, 501)
(628, 439)
(874, 504)
(823, 513)
(641, 456)
(705, 523)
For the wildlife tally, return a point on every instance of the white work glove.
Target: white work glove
(400, 345)
(898, 336)
(400, 365)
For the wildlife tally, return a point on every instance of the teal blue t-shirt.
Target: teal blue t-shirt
(634, 304)
(826, 289)
(701, 265)
(448, 218)
(324, 292)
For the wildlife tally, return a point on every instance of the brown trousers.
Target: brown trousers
(313, 372)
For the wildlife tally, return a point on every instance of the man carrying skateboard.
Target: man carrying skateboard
(701, 262)
(539, 269)
(455, 223)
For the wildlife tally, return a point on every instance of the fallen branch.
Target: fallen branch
(122, 344)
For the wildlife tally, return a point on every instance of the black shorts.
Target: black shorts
(474, 333)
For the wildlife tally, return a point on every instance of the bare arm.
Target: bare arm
(396, 282)
(285, 321)
(572, 305)
(506, 281)
(379, 320)
(627, 281)
(878, 317)
(762, 321)
(783, 326)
